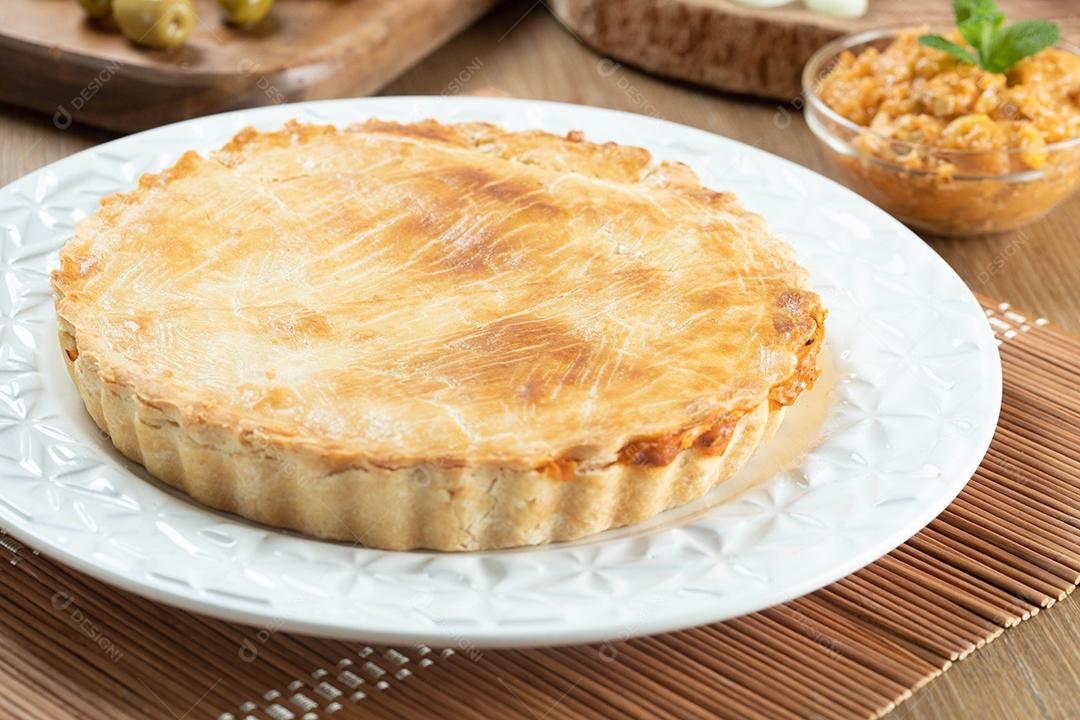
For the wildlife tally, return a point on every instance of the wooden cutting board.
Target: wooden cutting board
(728, 46)
(54, 60)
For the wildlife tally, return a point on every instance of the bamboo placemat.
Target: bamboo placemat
(1008, 547)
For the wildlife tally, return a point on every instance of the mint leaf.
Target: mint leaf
(981, 31)
(1018, 41)
(964, 10)
(996, 50)
(939, 43)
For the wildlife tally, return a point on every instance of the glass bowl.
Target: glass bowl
(964, 192)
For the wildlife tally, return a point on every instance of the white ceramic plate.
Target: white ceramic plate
(907, 416)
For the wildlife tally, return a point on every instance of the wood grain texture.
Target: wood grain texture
(57, 62)
(729, 46)
(1029, 672)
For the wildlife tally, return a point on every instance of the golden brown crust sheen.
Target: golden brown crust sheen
(440, 296)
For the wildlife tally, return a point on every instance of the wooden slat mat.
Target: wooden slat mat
(1008, 547)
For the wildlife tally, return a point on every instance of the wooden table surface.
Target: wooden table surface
(520, 50)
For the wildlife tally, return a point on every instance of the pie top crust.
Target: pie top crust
(454, 294)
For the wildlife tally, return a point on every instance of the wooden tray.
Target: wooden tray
(55, 61)
(758, 51)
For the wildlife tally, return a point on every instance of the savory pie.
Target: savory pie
(434, 336)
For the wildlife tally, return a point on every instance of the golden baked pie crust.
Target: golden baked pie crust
(442, 336)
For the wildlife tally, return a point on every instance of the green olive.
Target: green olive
(155, 23)
(96, 8)
(246, 12)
